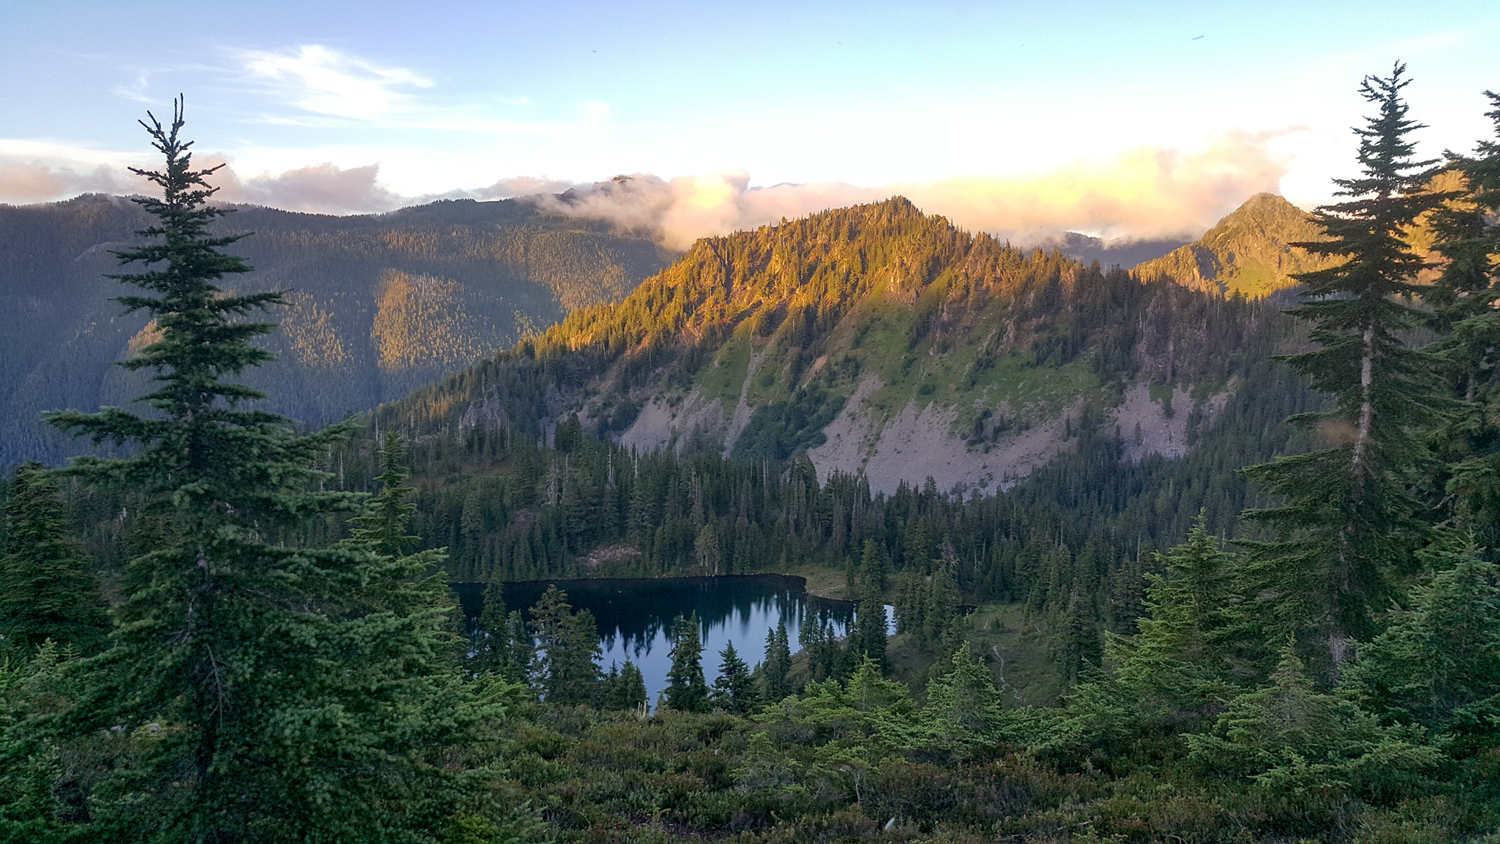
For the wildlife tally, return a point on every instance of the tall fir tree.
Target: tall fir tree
(284, 682)
(626, 687)
(963, 702)
(874, 564)
(46, 588)
(1465, 301)
(686, 690)
(566, 668)
(778, 664)
(502, 644)
(1184, 659)
(867, 635)
(1438, 664)
(1347, 521)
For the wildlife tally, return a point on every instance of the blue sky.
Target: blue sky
(1113, 118)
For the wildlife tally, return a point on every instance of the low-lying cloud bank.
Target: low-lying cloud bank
(319, 188)
(1143, 192)
(1146, 192)
(23, 182)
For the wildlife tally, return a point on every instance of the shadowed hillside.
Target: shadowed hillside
(377, 305)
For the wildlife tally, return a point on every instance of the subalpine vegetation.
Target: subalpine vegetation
(278, 662)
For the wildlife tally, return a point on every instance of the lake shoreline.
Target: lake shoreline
(797, 582)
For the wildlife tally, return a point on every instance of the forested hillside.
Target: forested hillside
(880, 341)
(1133, 404)
(377, 305)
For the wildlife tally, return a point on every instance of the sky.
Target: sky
(1116, 119)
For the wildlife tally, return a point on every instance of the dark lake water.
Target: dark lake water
(635, 617)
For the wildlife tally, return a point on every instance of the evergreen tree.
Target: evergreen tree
(874, 564)
(774, 684)
(1076, 646)
(490, 646)
(706, 550)
(1347, 518)
(46, 588)
(867, 636)
(1464, 302)
(566, 667)
(1183, 658)
(687, 691)
(1307, 752)
(817, 641)
(734, 688)
(626, 687)
(405, 705)
(940, 611)
(38, 795)
(503, 645)
(1438, 664)
(383, 523)
(632, 689)
(289, 682)
(911, 605)
(919, 548)
(963, 703)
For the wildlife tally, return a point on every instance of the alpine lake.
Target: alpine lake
(635, 616)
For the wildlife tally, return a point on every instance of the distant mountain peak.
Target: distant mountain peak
(1250, 251)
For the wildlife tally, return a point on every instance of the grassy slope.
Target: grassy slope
(873, 339)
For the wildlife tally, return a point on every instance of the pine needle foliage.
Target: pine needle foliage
(867, 635)
(1184, 659)
(734, 689)
(963, 703)
(286, 687)
(565, 668)
(1347, 520)
(686, 690)
(1437, 665)
(773, 672)
(46, 589)
(1464, 300)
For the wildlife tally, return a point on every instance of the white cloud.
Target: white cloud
(318, 188)
(42, 171)
(325, 81)
(522, 186)
(27, 182)
(1143, 192)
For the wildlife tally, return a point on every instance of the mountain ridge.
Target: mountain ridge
(377, 304)
(870, 338)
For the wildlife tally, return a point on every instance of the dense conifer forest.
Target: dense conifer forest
(377, 304)
(231, 629)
